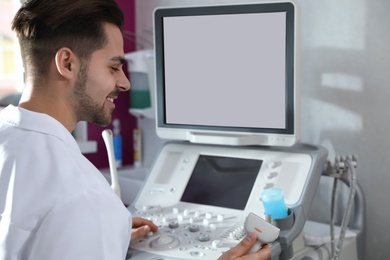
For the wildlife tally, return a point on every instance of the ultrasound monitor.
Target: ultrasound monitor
(227, 74)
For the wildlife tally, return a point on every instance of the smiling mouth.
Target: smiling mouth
(109, 99)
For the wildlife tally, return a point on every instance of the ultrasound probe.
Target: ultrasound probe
(108, 141)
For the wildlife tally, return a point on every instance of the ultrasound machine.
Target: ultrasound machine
(227, 102)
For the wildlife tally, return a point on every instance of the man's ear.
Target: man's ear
(66, 62)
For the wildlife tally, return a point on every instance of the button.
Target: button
(203, 237)
(273, 165)
(173, 224)
(194, 228)
(271, 175)
(268, 185)
(180, 218)
(215, 243)
(196, 254)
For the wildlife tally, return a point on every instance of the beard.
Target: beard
(86, 108)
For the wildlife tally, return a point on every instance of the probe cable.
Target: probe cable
(344, 224)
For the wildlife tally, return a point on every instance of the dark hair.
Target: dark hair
(45, 26)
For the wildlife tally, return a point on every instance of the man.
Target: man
(54, 204)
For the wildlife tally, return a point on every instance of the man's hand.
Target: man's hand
(238, 252)
(142, 227)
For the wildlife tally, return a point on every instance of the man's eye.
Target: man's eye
(114, 69)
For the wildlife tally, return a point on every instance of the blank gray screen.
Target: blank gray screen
(226, 70)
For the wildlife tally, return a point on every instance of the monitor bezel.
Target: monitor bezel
(231, 135)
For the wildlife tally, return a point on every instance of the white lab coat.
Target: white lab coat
(54, 204)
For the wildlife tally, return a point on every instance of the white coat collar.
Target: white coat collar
(38, 122)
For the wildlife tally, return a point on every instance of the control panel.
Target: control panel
(200, 195)
(188, 232)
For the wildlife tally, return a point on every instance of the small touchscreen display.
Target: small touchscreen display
(222, 181)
